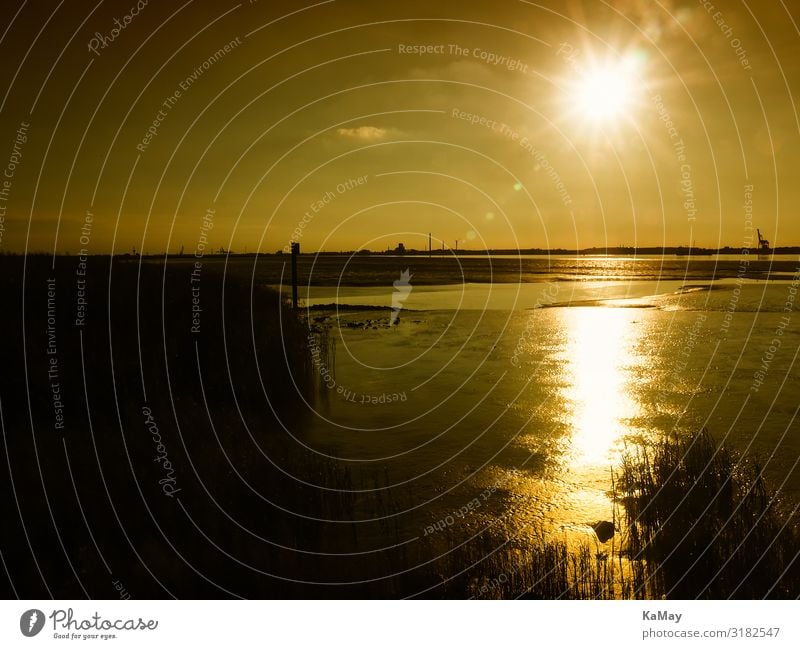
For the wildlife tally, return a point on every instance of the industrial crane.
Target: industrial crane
(763, 244)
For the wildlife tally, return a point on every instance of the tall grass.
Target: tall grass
(702, 523)
(696, 521)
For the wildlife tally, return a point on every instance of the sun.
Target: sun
(603, 94)
(605, 91)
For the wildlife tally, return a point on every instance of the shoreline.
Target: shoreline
(664, 295)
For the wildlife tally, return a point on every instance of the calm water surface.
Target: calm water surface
(520, 398)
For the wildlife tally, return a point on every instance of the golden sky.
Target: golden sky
(353, 125)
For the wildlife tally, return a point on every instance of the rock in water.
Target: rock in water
(604, 530)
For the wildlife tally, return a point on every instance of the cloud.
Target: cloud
(363, 133)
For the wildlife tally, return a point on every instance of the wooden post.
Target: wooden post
(295, 252)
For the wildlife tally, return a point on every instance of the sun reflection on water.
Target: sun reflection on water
(598, 362)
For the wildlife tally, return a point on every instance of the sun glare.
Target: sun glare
(605, 91)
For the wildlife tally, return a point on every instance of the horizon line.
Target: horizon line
(690, 250)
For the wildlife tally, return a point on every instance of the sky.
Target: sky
(359, 125)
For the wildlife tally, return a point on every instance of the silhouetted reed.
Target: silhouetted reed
(702, 523)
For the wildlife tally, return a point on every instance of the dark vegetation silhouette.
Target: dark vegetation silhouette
(94, 492)
(703, 524)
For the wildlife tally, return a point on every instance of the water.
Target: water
(509, 404)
